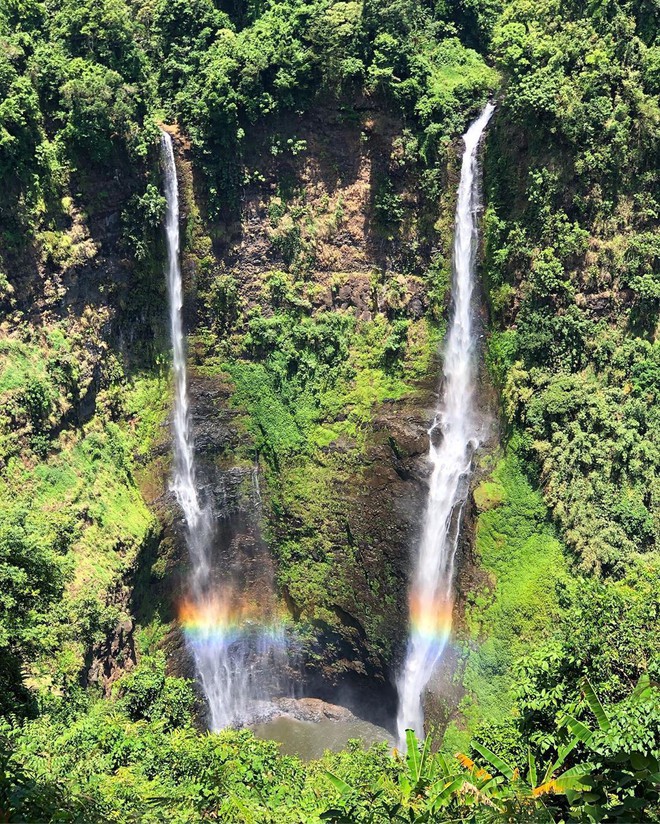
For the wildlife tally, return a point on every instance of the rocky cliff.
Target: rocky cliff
(315, 318)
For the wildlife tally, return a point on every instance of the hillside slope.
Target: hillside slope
(317, 154)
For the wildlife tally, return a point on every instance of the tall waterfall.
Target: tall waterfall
(233, 647)
(453, 438)
(198, 518)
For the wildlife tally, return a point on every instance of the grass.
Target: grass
(19, 362)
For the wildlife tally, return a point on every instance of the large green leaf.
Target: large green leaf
(447, 779)
(643, 685)
(442, 761)
(338, 784)
(578, 729)
(561, 757)
(446, 792)
(412, 755)
(425, 754)
(580, 772)
(495, 760)
(531, 768)
(572, 782)
(594, 705)
(565, 751)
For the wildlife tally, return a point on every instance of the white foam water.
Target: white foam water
(236, 652)
(453, 438)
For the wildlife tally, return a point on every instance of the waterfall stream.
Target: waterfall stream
(198, 518)
(453, 438)
(238, 650)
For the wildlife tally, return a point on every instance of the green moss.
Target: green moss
(82, 506)
(487, 495)
(147, 405)
(517, 547)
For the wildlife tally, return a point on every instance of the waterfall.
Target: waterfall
(198, 518)
(235, 650)
(453, 438)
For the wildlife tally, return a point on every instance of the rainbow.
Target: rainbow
(223, 621)
(431, 620)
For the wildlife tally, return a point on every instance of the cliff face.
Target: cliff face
(80, 335)
(315, 269)
(316, 318)
(75, 271)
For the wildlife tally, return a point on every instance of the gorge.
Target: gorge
(226, 662)
(289, 455)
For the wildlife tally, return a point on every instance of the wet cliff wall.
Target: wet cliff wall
(316, 319)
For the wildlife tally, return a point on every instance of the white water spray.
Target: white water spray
(198, 518)
(233, 647)
(453, 437)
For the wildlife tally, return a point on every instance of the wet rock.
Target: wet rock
(416, 308)
(111, 658)
(313, 709)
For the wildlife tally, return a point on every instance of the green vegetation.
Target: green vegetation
(317, 169)
(139, 759)
(284, 56)
(309, 383)
(575, 238)
(72, 527)
(520, 608)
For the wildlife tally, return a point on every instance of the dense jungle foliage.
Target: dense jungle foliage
(559, 651)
